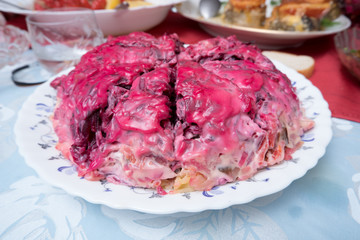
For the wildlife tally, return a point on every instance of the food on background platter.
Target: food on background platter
(303, 15)
(250, 13)
(111, 4)
(286, 15)
(303, 64)
(92, 4)
(148, 112)
(48, 4)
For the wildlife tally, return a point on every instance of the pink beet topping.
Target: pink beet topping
(147, 112)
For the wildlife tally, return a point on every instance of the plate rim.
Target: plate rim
(346, 21)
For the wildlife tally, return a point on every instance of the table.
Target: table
(324, 204)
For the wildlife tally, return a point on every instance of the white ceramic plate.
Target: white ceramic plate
(263, 38)
(113, 22)
(36, 140)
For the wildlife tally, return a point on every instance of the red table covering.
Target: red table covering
(339, 88)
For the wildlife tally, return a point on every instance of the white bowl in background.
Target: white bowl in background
(113, 22)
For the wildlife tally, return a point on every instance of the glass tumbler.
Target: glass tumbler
(59, 37)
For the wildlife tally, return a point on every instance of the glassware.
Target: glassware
(13, 43)
(59, 37)
(347, 45)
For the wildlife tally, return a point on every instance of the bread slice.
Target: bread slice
(301, 63)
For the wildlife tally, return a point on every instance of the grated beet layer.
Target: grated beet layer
(148, 112)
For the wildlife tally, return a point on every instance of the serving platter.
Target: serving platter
(36, 140)
(263, 38)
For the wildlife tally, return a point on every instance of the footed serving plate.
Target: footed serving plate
(36, 140)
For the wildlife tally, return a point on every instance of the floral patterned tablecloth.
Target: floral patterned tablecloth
(324, 204)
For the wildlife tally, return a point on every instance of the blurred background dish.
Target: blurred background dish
(111, 21)
(59, 41)
(13, 43)
(263, 38)
(347, 45)
(2, 20)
